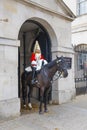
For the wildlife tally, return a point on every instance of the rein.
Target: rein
(57, 77)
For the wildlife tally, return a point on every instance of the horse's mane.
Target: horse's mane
(51, 64)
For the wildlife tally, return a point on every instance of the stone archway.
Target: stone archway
(31, 30)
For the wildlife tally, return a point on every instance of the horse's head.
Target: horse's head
(62, 66)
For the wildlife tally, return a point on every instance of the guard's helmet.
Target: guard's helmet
(37, 48)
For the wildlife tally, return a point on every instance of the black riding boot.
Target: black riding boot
(33, 76)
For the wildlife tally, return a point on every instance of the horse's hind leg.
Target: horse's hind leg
(23, 95)
(29, 96)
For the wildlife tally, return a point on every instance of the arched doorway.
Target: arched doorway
(30, 32)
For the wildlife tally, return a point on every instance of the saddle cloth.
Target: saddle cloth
(28, 69)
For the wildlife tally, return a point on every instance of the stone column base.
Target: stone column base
(63, 96)
(10, 108)
(66, 95)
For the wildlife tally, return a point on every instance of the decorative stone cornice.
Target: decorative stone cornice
(9, 42)
(3, 20)
(62, 49)
(66, 8)
(79, 28)
(35, 4)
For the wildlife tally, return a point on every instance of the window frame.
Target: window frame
(82, 57)
(79, 11)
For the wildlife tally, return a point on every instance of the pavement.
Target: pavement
(68, 116)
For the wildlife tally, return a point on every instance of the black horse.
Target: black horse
(44, 77)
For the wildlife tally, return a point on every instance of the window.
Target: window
(82, 58)
(82, 7)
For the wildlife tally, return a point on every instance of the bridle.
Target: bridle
(59, 73)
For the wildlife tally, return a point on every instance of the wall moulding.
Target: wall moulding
(9, 42)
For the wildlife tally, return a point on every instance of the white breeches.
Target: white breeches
(38, 64)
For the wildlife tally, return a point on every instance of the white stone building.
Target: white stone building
(20, 22)
(79, 41)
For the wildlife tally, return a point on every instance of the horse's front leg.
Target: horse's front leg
(45, 99)
(40, 107)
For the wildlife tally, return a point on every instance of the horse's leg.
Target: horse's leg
(49, 100)
(41, 100)
(23, 92)
(25, 95)
(40, 107)
(45, 99)
(24, 89)
(29, 96)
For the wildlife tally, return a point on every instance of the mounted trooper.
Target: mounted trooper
(37, 60)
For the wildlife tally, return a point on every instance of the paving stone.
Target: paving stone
(69, 116)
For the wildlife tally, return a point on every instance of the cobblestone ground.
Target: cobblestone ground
(69, 116)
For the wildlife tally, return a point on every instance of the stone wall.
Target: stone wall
(9, 102)
(58, 26)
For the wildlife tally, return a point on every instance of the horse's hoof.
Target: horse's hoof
(23, 107)
(46, 111)
(40, 112)
(28, 108)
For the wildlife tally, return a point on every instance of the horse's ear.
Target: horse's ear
(56, 56)
(62, 56)
(57, 59)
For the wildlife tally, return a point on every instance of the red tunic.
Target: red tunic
(34, 58)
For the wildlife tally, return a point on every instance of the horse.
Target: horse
(44, 78)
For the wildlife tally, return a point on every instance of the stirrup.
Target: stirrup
(34, 81)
